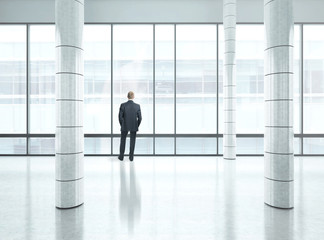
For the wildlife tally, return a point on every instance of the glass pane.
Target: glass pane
(13, 79)
(313, 79)
(42, 145)
(142, 145)
(42, 79)
(254, 146)
(196, 145)
(12, 145)
(297, 147)
(196, 79)
(313, 145)
(249, 78)
(164, 145)
(97, 79)
(245, 146)
(133, 71)
(164, 79)
(250, 146)
(297, 80)
(97, 145)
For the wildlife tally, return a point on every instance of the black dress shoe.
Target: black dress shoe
(120, 158)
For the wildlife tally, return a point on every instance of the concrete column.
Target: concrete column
(69, 20)
(278, 91)
(229, 85)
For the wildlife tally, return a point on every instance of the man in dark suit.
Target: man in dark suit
(130, 118)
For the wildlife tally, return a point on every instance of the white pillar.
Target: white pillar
(69, 20)
(278, 91)
(229, 85)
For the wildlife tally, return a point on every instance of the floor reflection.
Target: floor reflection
(130, 197)
(300, 195)
(230, 199)
(28, 209)
(183, 198)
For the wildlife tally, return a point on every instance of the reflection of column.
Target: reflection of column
(229, 86)
(229, 200)
(69, 19)
(112, 202)
(279, 135)
(154, 203)
(302, 225)
(217, 200)
(175, 201)
(28, 208)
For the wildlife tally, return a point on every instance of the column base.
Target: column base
(279, 194)
(69, 194)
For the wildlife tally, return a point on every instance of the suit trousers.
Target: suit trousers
(123, 143)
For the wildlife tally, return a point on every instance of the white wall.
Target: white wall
(111, 11)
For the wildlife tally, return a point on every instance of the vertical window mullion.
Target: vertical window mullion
(217, 85)
(153, 89)
(27, 87)
(302, 87)
(111, 89)
(175, 89)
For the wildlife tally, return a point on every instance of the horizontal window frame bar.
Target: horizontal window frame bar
(157, 155)
(134, 23)
(103, 135)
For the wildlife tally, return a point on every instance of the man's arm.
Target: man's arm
(121, 114)
(139, 116)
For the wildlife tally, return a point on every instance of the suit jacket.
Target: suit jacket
(130, 116)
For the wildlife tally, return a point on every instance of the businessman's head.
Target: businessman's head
(130, 95)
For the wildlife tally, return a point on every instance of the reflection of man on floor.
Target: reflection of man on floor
(130, 118)
(129, 199)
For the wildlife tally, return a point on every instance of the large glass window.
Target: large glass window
(13, 79)
(42, 79)
(196, 79)
(164, 79)
(97, 79)
(183, 59)
(133, 71)
(249, 78)
(313, 78)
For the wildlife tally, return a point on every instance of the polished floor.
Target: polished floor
(159, 198)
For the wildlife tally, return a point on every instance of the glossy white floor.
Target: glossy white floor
(159, 198)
